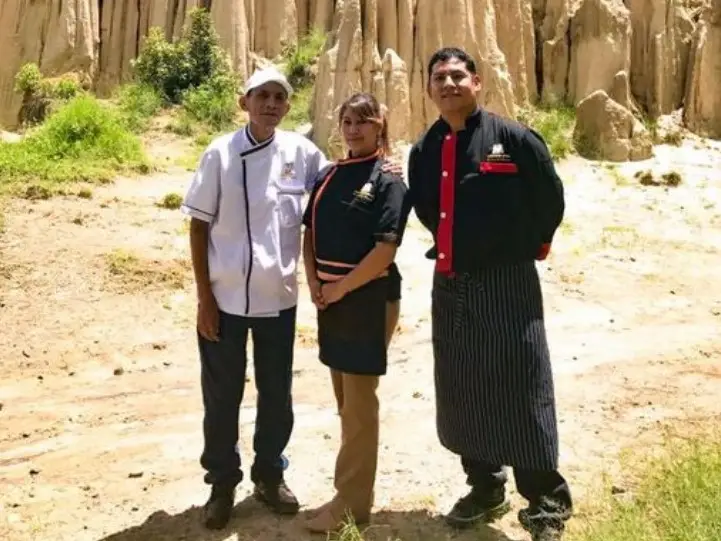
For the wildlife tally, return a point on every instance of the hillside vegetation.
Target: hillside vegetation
(186, 88)
(69, 135)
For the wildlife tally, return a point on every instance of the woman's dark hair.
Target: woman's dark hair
(366, 106)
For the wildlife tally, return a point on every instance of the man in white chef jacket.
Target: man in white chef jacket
(246, 211)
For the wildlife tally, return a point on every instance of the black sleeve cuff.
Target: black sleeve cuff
(391, 238)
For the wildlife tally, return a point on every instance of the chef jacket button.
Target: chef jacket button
(443, 214)
(441, 256)
(445, 173)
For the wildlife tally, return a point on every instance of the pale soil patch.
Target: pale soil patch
(101, 408)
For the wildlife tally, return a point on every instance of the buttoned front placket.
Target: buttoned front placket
(444, 261)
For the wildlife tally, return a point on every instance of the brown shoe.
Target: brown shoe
(278, 497)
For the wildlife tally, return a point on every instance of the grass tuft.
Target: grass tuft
(677, 499)
(348, 532)
(555, 124)
(171, 201)
(670, 179)
(136, 273)
(138, 103)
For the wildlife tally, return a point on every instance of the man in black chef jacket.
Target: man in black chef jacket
(487, 190)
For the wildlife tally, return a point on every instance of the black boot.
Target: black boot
(277, 496)
(547, 533)
(478, 506)
(219, 507)
(541, 528)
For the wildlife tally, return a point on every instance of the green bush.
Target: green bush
(163, 66)
(299, 113)
(29, 79)
(85, 128)
(298, 57)
(137, 104)
(65, 89)
(174, 68)
(212, 103)
(206, 58)
(42, 95)
(297, 61)
(555, 124)
(82, 140)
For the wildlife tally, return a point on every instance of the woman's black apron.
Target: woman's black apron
(351, 332)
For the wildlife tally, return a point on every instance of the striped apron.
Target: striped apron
(494, 385)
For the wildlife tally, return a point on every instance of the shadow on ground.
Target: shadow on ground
(251, 522)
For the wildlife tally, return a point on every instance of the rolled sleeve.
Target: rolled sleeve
(201, 200)
(393, 212)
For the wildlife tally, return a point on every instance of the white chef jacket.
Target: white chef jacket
(251, 195)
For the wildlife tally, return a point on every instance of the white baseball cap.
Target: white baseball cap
(267, 75)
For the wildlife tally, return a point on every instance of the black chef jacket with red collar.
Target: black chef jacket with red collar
(352, 207)
(489, 193)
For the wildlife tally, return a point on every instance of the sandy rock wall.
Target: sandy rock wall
(636, 51)
(650, 56)
(662, 35)
(702, 111)
(122, 26)
(99, 38)
(61, 36)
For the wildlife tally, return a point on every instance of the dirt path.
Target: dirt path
(101, 410)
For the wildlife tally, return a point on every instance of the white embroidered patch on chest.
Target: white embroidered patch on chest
(366, 192)
(288, 171)
(498, 154)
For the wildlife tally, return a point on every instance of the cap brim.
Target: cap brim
(286, 86)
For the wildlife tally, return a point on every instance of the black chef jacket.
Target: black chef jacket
(489, 193)
(351, 208)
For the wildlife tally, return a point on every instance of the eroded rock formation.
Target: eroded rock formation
(702, 111)
(606, 130)
(649, 56)
(60, 36)
(662, 35)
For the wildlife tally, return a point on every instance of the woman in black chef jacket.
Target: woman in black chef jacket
(354, 221)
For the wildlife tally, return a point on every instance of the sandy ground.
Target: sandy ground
(100, 400)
